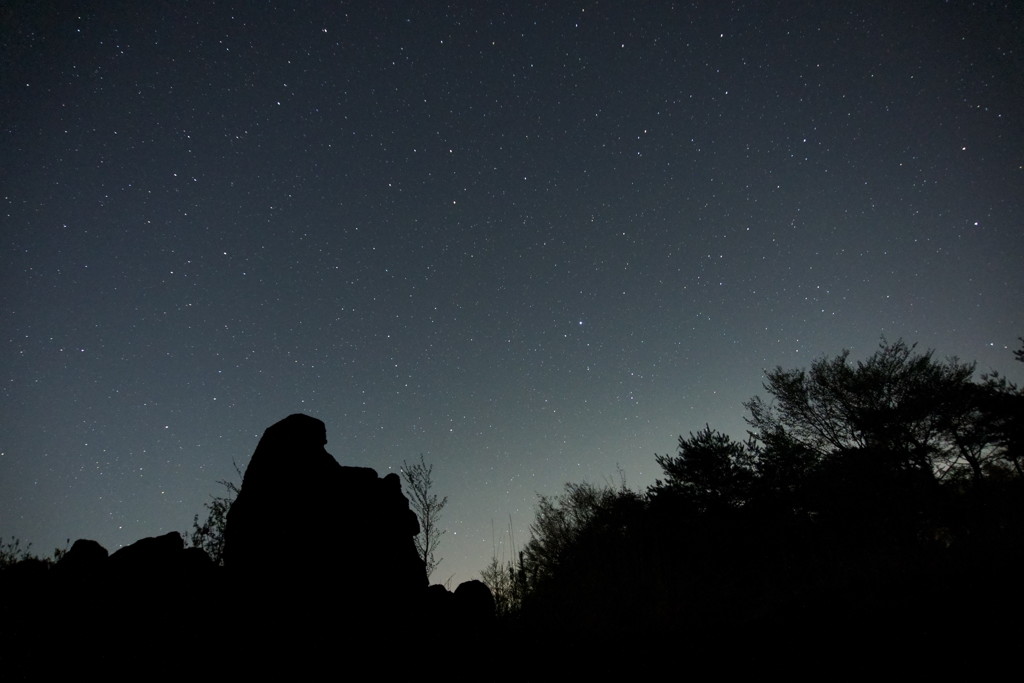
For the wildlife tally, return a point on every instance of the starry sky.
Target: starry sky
(534, 242)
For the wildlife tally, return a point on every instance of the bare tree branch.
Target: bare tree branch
(418, 479)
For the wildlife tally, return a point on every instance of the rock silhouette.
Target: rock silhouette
(85, 556)
(125, 609)
(320, 570)
(354, 529)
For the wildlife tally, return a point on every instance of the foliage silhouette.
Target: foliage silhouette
(898, 402)
(1000, 417)
(12, 552)
(209, 535)
(864, 491)
(711, 469)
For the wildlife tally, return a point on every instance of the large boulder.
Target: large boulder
(307, 533)
(84, 557)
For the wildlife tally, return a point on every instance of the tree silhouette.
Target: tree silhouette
(427, 506)
(573, 532)
(711, 469)
(866, 490)
(209, 534)
(897, 401)
(505, 581)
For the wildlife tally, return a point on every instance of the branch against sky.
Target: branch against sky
(427, 506)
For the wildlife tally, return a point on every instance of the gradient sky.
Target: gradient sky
(534, 242)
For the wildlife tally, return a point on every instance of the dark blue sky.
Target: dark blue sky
(532, 241)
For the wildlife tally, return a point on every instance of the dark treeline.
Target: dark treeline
(875, 507)
(877, 502)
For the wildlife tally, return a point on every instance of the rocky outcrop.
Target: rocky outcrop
(125, 609)
(308, 533)
(474, 603)
(84, 557)
(320, 571)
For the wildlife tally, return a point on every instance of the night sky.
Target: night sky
(534, 242)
